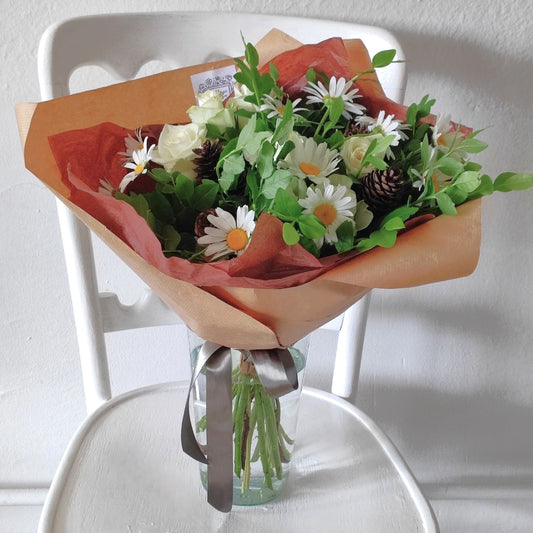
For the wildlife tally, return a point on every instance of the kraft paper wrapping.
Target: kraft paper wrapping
(248, 316)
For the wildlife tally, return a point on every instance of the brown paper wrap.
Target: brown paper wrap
(443, 248)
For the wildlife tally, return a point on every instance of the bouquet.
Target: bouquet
(306, 178)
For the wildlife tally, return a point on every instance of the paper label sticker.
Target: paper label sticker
(220, 79)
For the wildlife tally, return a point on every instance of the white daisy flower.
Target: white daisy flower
(229, 235)
(138, 165)
(132, 144)
(337, 89)
(311, 160)
(332, 205)
(276, 107)
(386, 125)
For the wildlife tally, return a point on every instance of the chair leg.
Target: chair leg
(350, 349)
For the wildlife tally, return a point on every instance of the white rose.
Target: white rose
(175, 147)
(211, 110)
(354, 149)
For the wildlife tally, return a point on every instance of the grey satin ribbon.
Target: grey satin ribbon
(277, 373)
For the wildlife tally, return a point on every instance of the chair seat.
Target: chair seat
(125, 472)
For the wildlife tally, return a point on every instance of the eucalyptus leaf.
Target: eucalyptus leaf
(231, 169)
(280, 179)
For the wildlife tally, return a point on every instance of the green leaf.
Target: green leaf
(376, 162)
(457, 195)
(160, 207)
(288, 147)
(411, 115)
(265, 162)
(309, 245)
(449, 166)
(285, 127)
(280, 179)
(511, 181)
(184, 188)
(445, 203)
(384, 238)
(467, 181)
(394, 223)
(252, 181)
(170, 237)
(345, 237)
(205, 195)
(485, 188)
(274, 72)
(247, 132)
(290, 235)
(311, 227)
(383, 143)
(403, 212)
(335, 108)
(232, 167)
(310, 75)
(286, 206)
(472, 146)
(251, 55)
(383, 58)
(161, 175)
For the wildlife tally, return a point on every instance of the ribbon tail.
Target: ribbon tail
(219, 431)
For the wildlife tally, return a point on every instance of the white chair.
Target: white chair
(124, 469)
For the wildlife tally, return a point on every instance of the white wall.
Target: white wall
(448, 368)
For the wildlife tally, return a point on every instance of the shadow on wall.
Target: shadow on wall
(472, 440)
(500, 76)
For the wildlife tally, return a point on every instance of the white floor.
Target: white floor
(454, 516)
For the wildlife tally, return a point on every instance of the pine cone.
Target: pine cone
(385, 190)
(201, 222)
(206, 162)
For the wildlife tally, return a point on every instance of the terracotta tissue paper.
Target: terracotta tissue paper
(273, 294)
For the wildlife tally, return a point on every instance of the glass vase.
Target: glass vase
(263, 427)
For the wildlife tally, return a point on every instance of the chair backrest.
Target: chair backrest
(122, 44)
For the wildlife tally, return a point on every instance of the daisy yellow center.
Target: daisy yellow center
(140, 146)
(237, 239)
(441, 141)
(309, 169)
(326, 213)
(139, 168)
(280, 109)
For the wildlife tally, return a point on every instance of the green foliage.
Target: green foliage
(252, 168)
